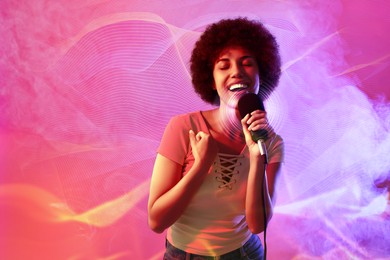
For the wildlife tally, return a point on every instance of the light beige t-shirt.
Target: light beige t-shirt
(214, 222)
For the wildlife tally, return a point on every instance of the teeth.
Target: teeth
(237, 87)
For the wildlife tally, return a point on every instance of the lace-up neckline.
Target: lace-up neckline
(226, 169)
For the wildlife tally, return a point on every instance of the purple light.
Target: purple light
(87, 89)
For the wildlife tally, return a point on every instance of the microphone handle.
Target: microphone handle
(263, 150)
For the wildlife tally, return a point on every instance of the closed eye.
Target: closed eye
(248, 62)
(223, 64)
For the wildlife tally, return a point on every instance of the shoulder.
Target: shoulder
(276, 140)
(175, 142)
(187, 116)
(275, 145)
(188, 121)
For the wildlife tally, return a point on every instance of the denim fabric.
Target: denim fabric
(252, 250)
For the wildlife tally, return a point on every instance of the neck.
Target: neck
(226, 129)
(227, 122)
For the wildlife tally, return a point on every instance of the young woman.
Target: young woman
(208, 180)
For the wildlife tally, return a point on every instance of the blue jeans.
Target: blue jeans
(251, 250)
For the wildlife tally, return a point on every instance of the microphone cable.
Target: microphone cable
(264, 208)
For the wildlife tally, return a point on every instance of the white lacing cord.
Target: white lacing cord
(226, 169)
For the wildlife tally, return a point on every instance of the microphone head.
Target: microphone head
(248, 103)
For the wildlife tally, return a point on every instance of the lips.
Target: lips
(238, 87)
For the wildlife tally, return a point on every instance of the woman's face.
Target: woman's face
(235, 72)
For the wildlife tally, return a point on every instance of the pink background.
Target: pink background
(87, 88)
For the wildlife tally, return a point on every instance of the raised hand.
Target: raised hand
(255, 121)
(204, 147)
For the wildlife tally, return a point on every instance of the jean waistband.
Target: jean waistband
(235, 254)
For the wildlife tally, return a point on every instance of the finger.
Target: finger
(258, 111)
(191, 135)
(244, 120)
(245, 125)
(257, 115)
(255, 127)
(259, 124)
(199, 135)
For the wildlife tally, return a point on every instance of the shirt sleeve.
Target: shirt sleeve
(275, 149)
(175, 140)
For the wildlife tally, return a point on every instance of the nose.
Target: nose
(236, 71)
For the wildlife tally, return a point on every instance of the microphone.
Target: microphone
(248, 103)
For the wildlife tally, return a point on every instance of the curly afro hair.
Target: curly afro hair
(248, 34)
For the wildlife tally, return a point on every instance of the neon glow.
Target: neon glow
(87, 88)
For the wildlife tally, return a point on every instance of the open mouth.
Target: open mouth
(238, 87)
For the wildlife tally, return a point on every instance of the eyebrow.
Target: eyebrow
(242, 58)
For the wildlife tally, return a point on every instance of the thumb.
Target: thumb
(191, 135)
(244, 124)
(247, 134)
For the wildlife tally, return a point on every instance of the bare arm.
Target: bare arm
(255, 186)
(254, 198)
(170, 193)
